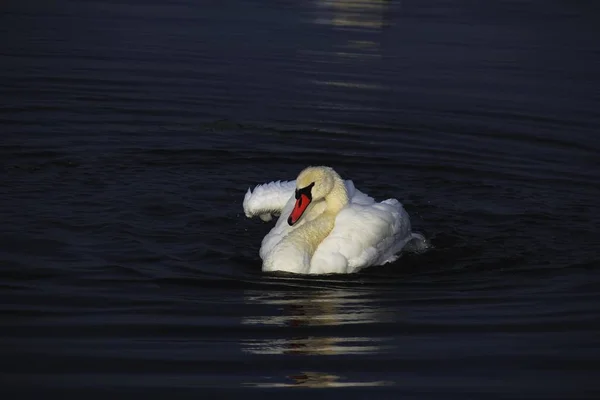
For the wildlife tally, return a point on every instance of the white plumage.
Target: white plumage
(342, 230)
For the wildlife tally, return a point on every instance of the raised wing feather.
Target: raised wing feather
(268, 200)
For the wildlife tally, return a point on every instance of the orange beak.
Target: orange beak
(301, 204)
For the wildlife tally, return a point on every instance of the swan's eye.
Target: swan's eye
(305, 191)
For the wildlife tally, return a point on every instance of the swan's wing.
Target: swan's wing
(269, 199)
(364, 235)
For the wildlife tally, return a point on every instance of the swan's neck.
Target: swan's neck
(337, 198)
(318, 229)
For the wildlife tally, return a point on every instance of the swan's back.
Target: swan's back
(363, 235)
(356, 196)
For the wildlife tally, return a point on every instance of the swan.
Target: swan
(326, 225)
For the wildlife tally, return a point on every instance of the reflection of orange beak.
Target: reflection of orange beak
(301, 203)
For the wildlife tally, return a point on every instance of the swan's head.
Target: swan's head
(313, 184)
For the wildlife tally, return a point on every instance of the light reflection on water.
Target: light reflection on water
(350, 60)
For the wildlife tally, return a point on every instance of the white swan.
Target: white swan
(327, 225)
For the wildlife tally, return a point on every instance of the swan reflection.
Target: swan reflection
(366, 14)
(319, 380)
(307, 311)
(315, 323)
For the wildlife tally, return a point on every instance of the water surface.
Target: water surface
(131, 131)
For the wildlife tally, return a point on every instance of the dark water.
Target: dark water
(131, 130)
